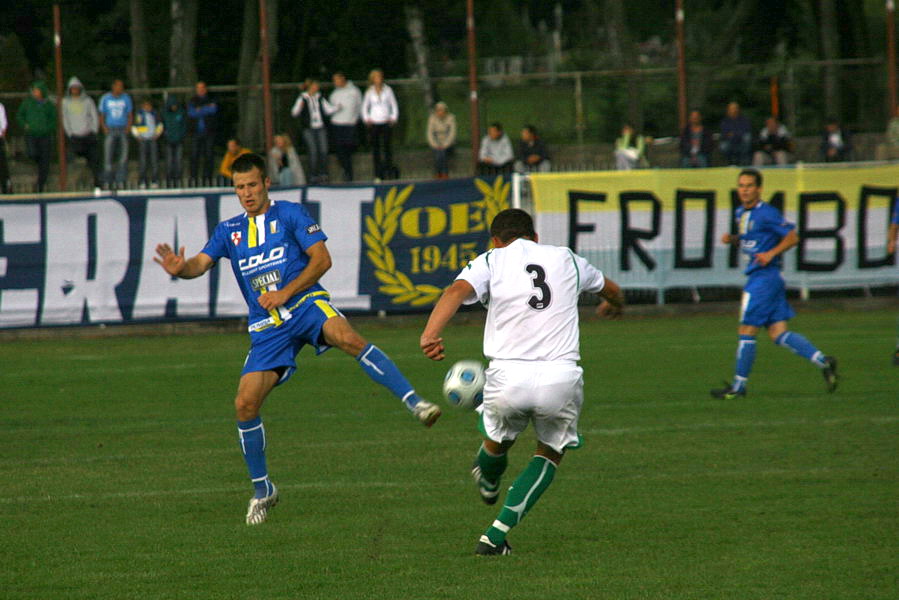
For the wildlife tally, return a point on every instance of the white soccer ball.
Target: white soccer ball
(464, 384)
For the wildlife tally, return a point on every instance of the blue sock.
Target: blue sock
(745, 358)
(251, 435)
(801, 346)
(381, 369)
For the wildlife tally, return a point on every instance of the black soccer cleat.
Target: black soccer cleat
(727, 392)
(488, 548)
(489, 494)
(829, 373)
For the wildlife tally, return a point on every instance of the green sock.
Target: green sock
(492, 466)
(523, 494)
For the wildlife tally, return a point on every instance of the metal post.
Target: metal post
(681, 66)
(60, 130)
(579, 109)
(266, 77)
(473, 87)
(891, 56)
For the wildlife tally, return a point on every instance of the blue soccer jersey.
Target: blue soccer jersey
(267, 252)
(895, 219)
(761, 228)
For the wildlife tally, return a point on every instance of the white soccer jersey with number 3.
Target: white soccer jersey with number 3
(531, 292)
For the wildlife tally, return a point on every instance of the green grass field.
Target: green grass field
(123, 478)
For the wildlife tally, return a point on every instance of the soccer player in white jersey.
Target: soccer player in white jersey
(532, 340)
(278, 254)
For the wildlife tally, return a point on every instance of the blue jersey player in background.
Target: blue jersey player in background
(278, 255)
(764, 235)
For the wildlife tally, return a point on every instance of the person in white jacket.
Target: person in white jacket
(380, 113)
(347, 102)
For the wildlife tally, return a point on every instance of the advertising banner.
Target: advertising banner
(90, 260)
(661, 228)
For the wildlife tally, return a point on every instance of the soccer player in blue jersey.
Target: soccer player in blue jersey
(891, 249)
(278, 254)
(764, 235)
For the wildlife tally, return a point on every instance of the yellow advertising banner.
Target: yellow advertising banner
(661, 228)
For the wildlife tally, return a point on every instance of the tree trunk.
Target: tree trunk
(138, 70)
(625, 54)
(720, 48)
(415, 26)
(182, 46)
(830, 50)
(249, 75)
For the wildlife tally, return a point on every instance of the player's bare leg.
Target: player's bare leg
(338, 332)
(251, 393)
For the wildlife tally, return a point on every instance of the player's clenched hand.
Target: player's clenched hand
(607, 310)
(432, 347)
(170, 261)
(272, 300)
(763, 258)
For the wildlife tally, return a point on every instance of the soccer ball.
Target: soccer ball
(464, 384)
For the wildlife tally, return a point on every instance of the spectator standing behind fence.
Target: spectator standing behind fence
(836, 142)
(347, 102)
(313, 109)
(695, 143)
(380, 113)
(174, 129)
(81, 123)
(146, 130)
(5, 183)
(735, 140)
(774, 144)
(495, 156)
(630, 149)
(202, 110)
(233, 151)
(116, 116)
(37, 116)
(533, 152)
(284, 167)
(441, 138)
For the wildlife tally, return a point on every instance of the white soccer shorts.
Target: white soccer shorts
(548, 393)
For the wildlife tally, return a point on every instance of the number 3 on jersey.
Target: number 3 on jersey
(539, 281)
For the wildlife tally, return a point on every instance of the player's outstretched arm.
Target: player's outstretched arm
(176, 265)
(612, 304)
(318, 265)
(431, 343)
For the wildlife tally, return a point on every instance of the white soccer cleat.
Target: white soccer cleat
(426, 412)
(257, 511)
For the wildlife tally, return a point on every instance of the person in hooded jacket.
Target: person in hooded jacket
(37, 116)
(174, 121)
(82, 123)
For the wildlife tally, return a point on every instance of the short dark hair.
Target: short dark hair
(752, 173)
(247, 162)
(497, 124)
(512, 223)
(532, 129)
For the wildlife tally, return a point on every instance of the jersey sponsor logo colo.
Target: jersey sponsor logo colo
(258, 260)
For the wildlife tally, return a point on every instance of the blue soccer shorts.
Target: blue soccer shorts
(277, 347)
(765, 301)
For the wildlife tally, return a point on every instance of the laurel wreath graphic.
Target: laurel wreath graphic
(382, 226)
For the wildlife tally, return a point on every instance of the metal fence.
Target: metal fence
(571, 109)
